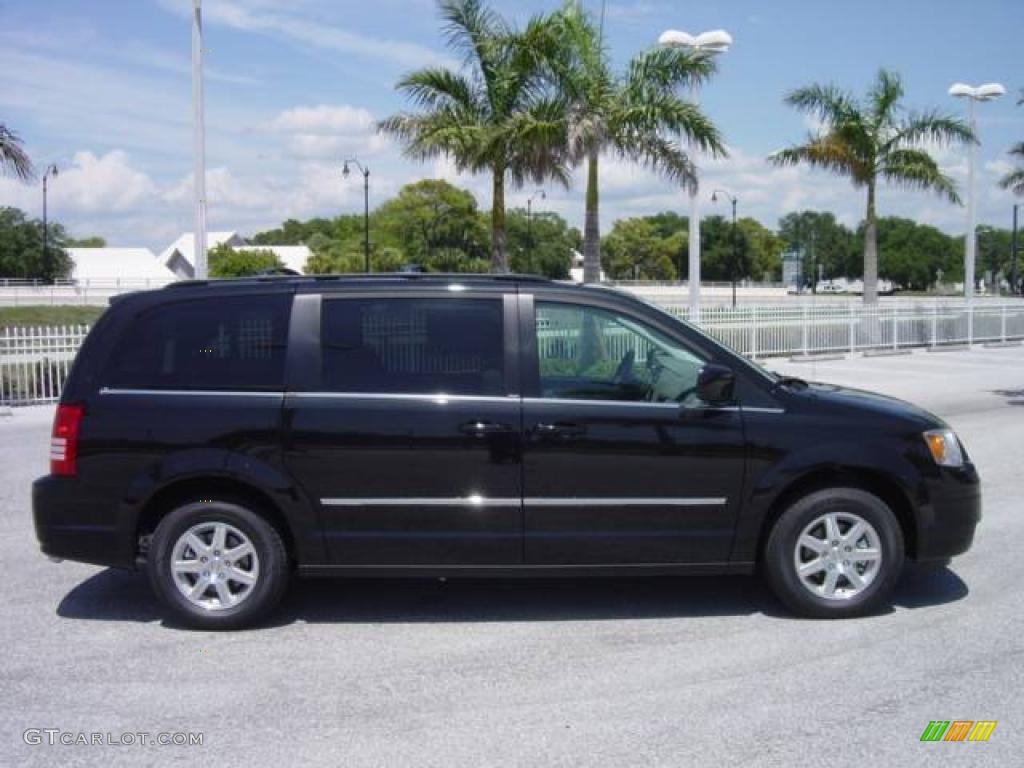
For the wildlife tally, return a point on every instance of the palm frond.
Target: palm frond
(668, 69)
(660, 155)
(666, 113)
(828, 103)
(1014, 181)
(917, 169)
(436, 87)
(884, 96)
(932, 126)
(13, 157)
(826, 152)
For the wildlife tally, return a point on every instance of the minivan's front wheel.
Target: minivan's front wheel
(835, 553)
(217, 565)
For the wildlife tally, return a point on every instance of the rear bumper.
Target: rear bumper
(73, 525)
(946, 525)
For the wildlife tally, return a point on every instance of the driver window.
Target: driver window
(586, 353)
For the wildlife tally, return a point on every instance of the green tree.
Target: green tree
(635, 251)
(542, 246)
(1015, 179)
(823, 241)
(726, 253)
(765, 250)
(870, 140)
(496, 118)
(13, 158)
(94, 241)
(638, 115)
(435, 225)
(21, 248)
(225, 261)
(912, 254)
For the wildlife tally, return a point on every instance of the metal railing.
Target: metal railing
(34, 361)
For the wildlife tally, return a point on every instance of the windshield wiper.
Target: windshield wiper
(791, 382)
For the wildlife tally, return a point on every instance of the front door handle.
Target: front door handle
(483, 428)
(561, 429)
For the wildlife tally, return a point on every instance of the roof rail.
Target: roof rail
(411, 276)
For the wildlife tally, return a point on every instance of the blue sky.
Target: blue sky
(103, 89)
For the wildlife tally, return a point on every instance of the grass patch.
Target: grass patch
(11, 317)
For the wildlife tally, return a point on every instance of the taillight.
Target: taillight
(64, 441)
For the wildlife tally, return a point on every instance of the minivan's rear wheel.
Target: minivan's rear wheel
(835, 553)
(217, 564)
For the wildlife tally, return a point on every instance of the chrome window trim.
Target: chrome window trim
(190, 392)
(536, 501)
(438, 398)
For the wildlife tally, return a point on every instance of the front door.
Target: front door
(622, 461)
(410, 438)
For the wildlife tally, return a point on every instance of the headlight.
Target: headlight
(944, 447)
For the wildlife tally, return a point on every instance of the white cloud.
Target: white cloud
(324, 118)
(304, 29)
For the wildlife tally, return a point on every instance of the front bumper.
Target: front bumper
(946, 524)
(72, 524)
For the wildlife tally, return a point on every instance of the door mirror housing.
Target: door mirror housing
(716, 384)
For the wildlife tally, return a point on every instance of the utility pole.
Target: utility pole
(1013, 251)
(51, 170)
(366, 207)
(199, 144)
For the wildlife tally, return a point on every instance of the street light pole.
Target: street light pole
(1013, 251)
(529, 224)
(198, 144)
(735, 255)
(711, 43)
(986, 92)
(51, 170)
(366, 207)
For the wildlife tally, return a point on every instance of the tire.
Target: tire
(238, 592)
(860, 581)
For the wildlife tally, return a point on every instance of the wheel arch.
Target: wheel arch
(870, 480)
(225, 488)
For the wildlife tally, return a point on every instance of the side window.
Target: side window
(236, 342)
(414, 346)
(587, 353)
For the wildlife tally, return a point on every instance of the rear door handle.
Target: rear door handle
(482, 428)
(561, 429)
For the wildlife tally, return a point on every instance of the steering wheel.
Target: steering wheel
(625, 367)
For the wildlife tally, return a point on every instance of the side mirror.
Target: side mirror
(716, 384)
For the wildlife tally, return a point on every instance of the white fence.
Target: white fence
(34, 362)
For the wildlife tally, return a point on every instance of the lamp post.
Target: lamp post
(198, 145)
(366, 205)
(732, 268)
(529, 223)
(51, 171)
(711, 43)
(1013, 251)
(986, 92)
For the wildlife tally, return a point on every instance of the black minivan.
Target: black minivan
(225, 435)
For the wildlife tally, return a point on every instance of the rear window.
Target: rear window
(235, 343)
(414, 346)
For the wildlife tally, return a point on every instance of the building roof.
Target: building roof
(114, 263)
(183, 246)
(292, 256)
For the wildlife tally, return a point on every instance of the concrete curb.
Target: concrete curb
(1001, 344)
(814, 358)
(887, 352)
(950, 348)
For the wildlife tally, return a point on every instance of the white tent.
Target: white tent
(129, 264)
(179, 256)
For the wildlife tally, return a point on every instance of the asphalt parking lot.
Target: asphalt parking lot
(670, 671)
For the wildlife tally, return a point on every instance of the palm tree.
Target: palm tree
(13, 158)
(1015, 179)
(868, 140)
(638, 115)
(498, 116)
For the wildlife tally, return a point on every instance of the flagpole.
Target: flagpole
(199, 144)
